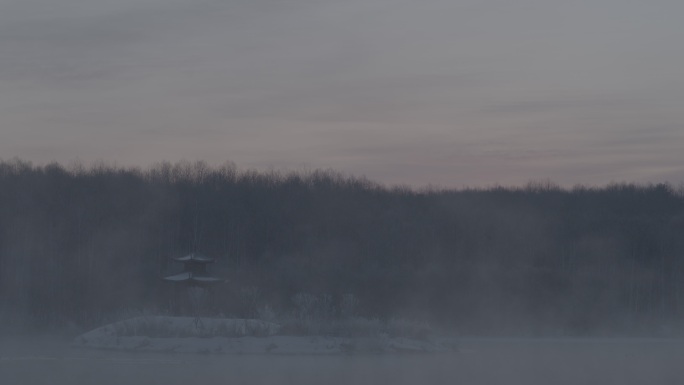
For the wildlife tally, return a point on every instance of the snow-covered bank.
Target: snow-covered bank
(235, 336)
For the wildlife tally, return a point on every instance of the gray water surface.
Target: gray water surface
(48, 360)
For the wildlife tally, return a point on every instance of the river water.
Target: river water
(49, 360)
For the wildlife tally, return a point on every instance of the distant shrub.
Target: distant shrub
(355, 327)
(320, 315)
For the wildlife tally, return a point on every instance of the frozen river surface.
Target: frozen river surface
(53, 361)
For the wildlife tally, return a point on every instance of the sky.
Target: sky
(448, 93)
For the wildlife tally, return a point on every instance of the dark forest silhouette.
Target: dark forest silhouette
(80, 245)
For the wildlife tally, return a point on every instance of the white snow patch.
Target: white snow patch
(235, 336)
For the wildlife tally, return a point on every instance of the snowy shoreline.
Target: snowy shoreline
(237, 336)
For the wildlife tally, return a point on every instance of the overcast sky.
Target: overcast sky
(443, 92)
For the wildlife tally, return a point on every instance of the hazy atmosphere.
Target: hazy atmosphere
(442, 92)
(342, 192)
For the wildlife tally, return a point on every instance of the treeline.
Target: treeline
(81, 245)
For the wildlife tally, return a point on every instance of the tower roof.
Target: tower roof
(195, 258)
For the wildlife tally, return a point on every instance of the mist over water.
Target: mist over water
(479, 361)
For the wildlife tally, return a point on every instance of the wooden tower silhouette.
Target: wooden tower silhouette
(194, 276)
